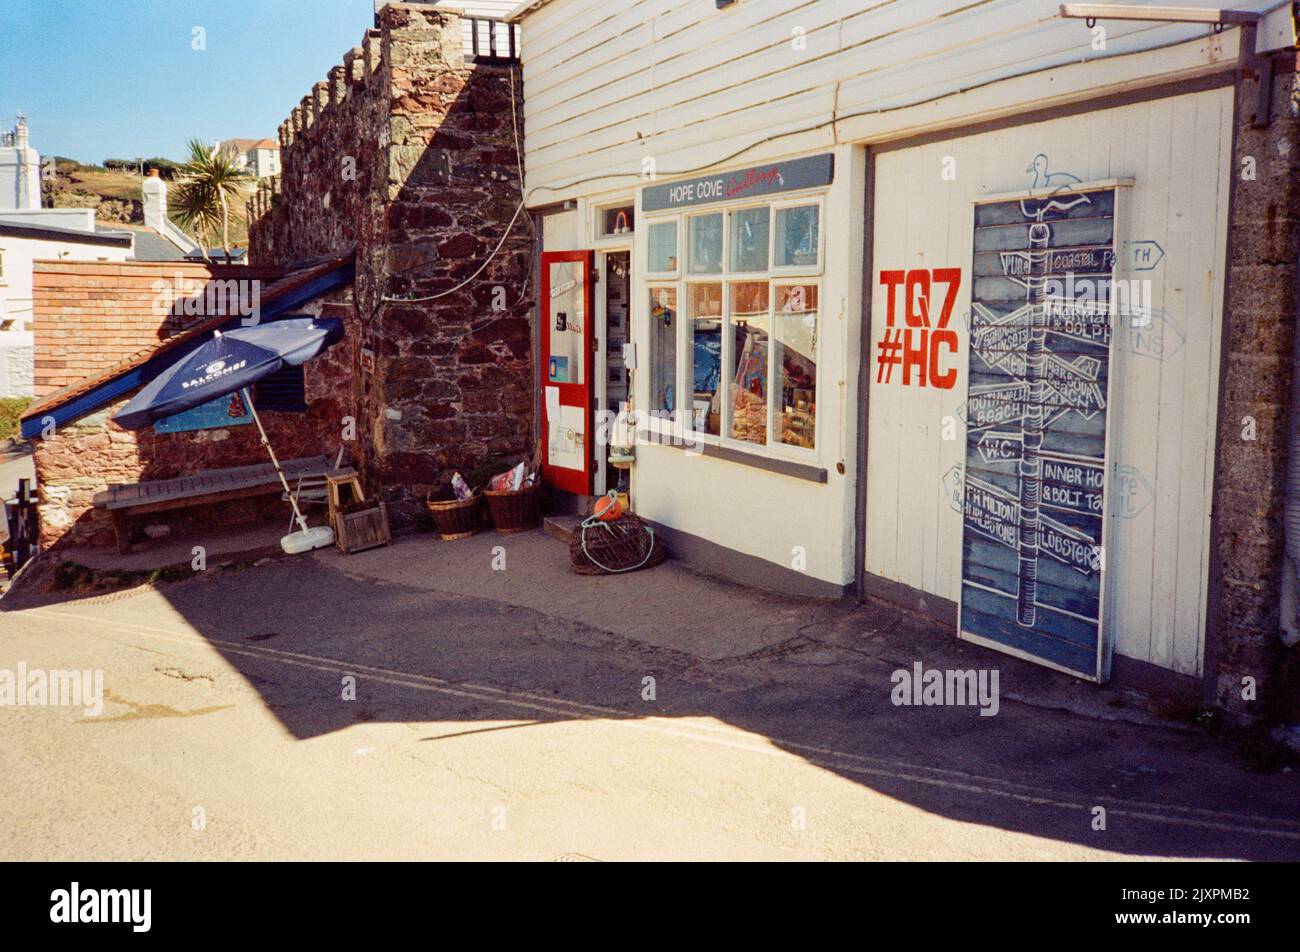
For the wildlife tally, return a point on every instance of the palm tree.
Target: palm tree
(208, 181)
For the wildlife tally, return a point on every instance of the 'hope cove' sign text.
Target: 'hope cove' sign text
(811, 172)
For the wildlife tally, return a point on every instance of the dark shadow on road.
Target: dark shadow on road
(295, 628)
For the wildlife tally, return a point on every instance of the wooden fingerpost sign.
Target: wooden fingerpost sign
(1042, 318)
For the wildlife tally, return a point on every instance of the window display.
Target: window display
(704, 308)
(749, 239)
(705, 241)
(616, 220)
(797, 236)
(749, 322)
(750, 290)
(663, 247)
(663, 349)
(796, 363)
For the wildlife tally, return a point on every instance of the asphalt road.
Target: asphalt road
(485, 729)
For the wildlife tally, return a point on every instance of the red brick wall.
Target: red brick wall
(92, 316)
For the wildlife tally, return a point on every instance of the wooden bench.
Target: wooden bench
(124, 501)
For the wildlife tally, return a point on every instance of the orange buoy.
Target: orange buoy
(608, 508)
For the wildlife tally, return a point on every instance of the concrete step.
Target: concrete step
(563, 528)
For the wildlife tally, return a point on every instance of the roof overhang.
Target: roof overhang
(67, 235)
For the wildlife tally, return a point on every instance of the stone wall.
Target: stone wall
(408, 154)
(80, 459)
(1250, 469)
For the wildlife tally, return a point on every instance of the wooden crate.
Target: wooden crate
(361, 526)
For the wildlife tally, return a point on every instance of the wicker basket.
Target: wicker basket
(516, 510)
(456, 518)
(621, 545)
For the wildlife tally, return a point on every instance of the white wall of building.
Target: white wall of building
(788, 521)
(678, 88)
(691, 86)
(1163, 409)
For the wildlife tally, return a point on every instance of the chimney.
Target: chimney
(155, 201)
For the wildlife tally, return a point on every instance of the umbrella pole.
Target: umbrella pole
(248, 399)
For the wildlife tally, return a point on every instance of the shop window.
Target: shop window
(663, 349)
(704, 311)
(749, 328)
(615, 220)
(797, 233)
(748, 283)
(749, 239)
(663, 248)
(795, 364)
(704, 240)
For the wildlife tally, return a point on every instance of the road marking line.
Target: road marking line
(869, 765)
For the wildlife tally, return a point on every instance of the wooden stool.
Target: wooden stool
(358, 528)
(335, 485)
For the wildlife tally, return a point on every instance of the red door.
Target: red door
(568, 456)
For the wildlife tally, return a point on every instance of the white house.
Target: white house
(842, 240)
(261, 157)
(20, 169)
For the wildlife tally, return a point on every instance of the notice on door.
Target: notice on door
(1041, 324)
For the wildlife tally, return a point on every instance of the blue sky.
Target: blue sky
(103, 79)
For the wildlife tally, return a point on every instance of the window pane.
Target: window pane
(749, 233)
(706, 244)
(663, 349)
(663, 247)
(617, 220)
(796, 363)
(704, 308)
(565, 320)
(796, 236)
(749, 361)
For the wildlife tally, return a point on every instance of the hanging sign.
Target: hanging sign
(1033, 501)
(811, 172)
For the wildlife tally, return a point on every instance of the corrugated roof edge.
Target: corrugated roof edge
(85, 397)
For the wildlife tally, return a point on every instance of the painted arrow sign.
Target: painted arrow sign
(995, 514)
(1075, 383)
(1143, 255)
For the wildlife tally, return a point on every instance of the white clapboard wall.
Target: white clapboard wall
(1162, 414)
(612, 83)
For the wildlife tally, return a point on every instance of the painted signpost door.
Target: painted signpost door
(1034, 512)
(567, 348)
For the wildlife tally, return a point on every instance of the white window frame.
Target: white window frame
(601, 240)
(801, 270)
(683, 425)
(661, 276)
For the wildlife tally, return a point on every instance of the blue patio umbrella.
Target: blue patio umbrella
(230, 361)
